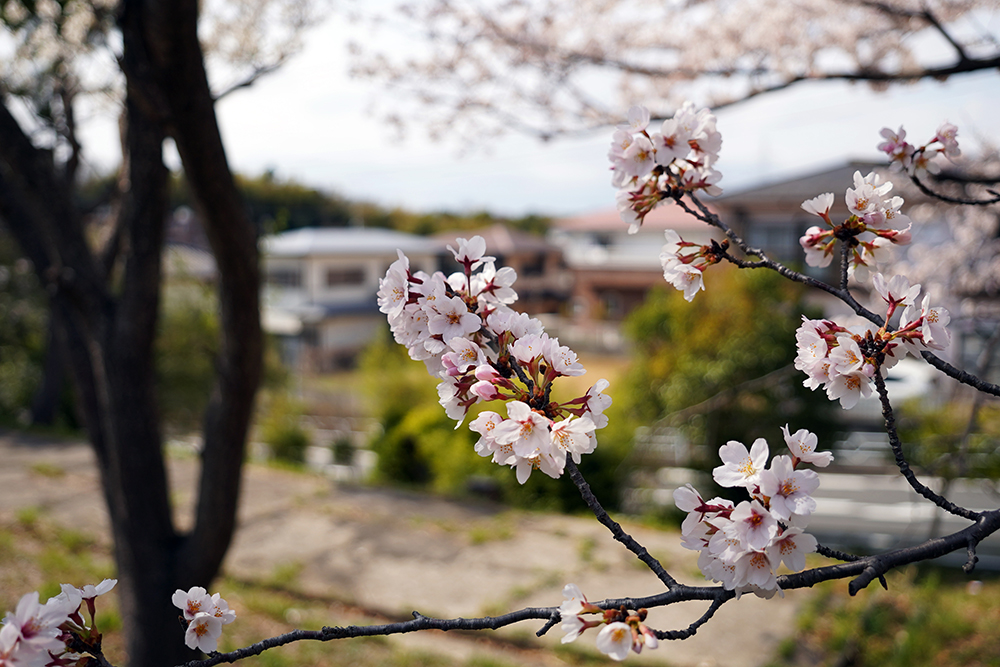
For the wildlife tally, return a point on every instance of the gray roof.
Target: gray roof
(836, 179)
(345, 241)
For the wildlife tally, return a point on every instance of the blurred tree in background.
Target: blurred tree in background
(720, 368)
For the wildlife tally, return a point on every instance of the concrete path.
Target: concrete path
(391, 552)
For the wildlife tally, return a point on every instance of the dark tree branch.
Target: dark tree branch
(904, 467)
(948, 176)
(258, 72)
(847, 558)
(705, 215)
(864, 570)
(616, 530)
(955, 200)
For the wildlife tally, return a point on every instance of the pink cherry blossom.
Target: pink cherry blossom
(203, 632)
(471, 252)
(526, 430)
(819, 205)
(615, 640)
(637, 119)
(741, 468)
(802, 445)
(896, 290)
(791, 547)
(192, 602)
(789, 489)
(753, 525)
(452, 318)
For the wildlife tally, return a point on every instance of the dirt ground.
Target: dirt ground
(391, 552)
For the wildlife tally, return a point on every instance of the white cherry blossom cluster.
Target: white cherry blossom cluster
(741, 546)
(621, 633)
(684, 262)
(873, 212)
(648, 166)
(39, 635)
(463, 329)
(913, 160)
(844, 360)
(205, 614)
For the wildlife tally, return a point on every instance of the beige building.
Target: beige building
(321, 284)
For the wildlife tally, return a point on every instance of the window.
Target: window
(284, 277)
(336, 277)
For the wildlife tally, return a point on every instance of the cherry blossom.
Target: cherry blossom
(740, 467)
(752, 524)
(615, 640)
(637, 119)
(791, 548)
(38, 624)
(471, 252)
(819, 205)
(896, 290)
(788, 489)
(802, 445)
(452, 319)
(203, 632)
(648, 167)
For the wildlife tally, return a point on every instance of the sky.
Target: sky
(311, 122)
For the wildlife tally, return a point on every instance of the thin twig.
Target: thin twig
(842, 294)
(904, 467)
(616, 530)
(955, 200)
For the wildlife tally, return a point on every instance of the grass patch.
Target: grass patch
(28, 517)
(928, 617)
(492, 530)
(46, 469)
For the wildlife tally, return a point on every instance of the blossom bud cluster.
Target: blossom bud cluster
(742, 546)
(844, 360)
(913, 160)
(872, 212)
(205, 614)
(684, 262)
(463, 329)
(622, 631)
(647, 167)
(41, 635)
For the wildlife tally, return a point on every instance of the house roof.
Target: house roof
(500, 239)
(786, 192)
(665, 216)
(345, 241)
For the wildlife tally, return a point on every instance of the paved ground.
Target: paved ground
(391, 553)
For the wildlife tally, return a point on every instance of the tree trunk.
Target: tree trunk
(107, 314)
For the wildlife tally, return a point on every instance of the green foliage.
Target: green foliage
(939, 439)
(742, 328)
(23, 326)
(278, 205)
(186, 347)
(280, 429)
(436, 222)
(927, 618)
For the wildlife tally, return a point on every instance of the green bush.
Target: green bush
(280, 430)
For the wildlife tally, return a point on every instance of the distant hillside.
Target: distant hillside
(278, 205)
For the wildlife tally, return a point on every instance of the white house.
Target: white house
(321, 284)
